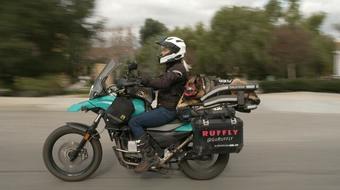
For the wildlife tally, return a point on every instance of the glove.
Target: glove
(145, 81)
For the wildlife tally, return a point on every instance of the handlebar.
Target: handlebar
(122, 83)
(129, 83)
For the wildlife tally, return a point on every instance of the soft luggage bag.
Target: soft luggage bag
(120, 111)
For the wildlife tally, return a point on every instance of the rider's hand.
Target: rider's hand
(145, 80)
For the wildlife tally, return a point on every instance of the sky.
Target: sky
(132, 13)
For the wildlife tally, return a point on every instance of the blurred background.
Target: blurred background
(54, 49)
(57, 47)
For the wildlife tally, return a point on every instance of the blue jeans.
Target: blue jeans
(153, 118)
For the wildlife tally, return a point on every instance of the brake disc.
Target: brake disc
(64, 154)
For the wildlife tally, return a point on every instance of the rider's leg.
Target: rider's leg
(152, 118)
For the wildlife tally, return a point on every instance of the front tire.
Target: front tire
(202, 170)
(56, 159)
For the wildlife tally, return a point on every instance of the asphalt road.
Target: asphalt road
(283, 150)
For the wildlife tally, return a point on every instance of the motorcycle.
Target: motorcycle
(199, 142)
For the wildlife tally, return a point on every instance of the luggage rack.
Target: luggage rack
(238, 98)
(220, 99)
(221, 88)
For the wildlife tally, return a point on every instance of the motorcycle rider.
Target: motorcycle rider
(170, 86)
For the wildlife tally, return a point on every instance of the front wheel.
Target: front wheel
(59, 146)
(205, 169)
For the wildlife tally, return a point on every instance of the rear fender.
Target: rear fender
(84, 128)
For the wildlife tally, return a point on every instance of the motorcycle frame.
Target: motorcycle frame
(118, 149)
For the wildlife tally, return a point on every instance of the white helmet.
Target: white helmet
(177, 49)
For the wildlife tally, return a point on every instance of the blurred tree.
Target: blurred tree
(195, 38)
(293, 15)
(39, 37)
(313, 23)
(273, 10)
(239, 42)
(323, 47)
(290, 47)
(146, 57)
(151, 28)
(255, 43)
(299, 48)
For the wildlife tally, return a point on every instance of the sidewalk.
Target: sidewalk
(301, 102)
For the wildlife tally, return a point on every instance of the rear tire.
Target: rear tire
(210, 172)
(51, 165)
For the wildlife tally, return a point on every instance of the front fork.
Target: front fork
(87, 136)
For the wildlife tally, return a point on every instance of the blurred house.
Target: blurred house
(337, 60)
(116, 43)
(96, 71)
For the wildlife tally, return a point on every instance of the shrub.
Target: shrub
(313, 85)
(4, 90)
(41, 86)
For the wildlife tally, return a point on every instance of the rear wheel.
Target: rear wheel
(205, 169)
(58, 149)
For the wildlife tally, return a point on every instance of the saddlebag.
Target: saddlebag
(217, 135)
(119, 112)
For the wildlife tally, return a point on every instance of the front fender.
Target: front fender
(84, 128)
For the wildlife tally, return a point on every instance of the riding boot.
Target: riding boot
(149, 157)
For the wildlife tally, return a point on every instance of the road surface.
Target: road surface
(283, 150)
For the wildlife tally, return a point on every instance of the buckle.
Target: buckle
(233, 121)
(205, 122)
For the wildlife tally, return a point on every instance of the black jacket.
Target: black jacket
(170, 85)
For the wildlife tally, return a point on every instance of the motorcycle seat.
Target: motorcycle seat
(167, 127)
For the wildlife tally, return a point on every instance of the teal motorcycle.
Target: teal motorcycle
(73, 152)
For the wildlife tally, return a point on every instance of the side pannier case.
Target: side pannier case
(220, 135)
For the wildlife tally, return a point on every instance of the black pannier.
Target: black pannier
(120, 111)
(218, 135)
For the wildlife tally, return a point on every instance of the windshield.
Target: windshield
(99, 84)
